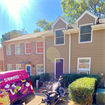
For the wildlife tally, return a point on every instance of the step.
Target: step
(44, 88)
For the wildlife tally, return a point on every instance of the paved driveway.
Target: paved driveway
(39, 96)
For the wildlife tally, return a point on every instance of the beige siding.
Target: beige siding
(86, 19)
(95, 50)
(53, 52)
(59, 24)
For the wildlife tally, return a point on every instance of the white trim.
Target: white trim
(25, 48)
(69, 52)
(58, 20)
(30, 68)
(6, 49)
(55, 66)
(36, 47)
(78, 69)
(7, 66)
(83, 71)
(16, 66)
(44, 53)
(15, 49)
(89, 13)
(37, 68)
(91, 34)
(55, 38)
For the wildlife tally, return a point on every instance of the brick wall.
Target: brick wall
(16, 59)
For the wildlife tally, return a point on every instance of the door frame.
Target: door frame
(30, 67)
(55, 66)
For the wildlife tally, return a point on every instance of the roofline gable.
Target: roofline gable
(89, 13)
(60, 18)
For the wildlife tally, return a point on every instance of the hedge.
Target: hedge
(33, 78)
(69, 78)
(81, 91)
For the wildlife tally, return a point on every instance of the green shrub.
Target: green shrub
(45, 77)
(69, 78)
(33, 79)
(81, 91)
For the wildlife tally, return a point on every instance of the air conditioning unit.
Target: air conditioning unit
(100, 96)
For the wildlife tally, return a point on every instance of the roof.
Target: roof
(89, 13)
(28, 36)
(60, 18)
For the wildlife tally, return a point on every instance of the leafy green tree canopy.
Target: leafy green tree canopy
(13, 34)
(37, 30)
(72, 9)
(44, 24)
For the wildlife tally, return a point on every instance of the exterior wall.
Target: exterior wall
(86, 19)
(53, 52)
(1, 59)
(95, 50)
(59, 24)
(16, 59)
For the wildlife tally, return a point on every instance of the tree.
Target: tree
(13, 34)
(44, 24)
(37, 30)
(72, 9)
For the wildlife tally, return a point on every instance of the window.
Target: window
(39, 48)
(9, 67)
(84, 63)
(59, 37)
(28, 48)
(39, 68)
(9, 50)
(18, 66)
(17, 49)
(85, 34)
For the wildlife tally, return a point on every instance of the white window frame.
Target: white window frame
(38, 47)
(16, 49)
(25, 48)
(55, 65)
(7, 49)
(37, 68)
(30, 68)
(16, 66)
(55, 37)
(80, 33)
(7, 67)
(83, 70)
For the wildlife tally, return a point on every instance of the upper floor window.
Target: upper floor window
(39, 48)
(18, 66)
(28, 48)
(59, 37)
(17, 49)
(9, 50)
(9, 67)
(85, 34)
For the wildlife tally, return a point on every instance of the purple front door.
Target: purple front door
(59, 67)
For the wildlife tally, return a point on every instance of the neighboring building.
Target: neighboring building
(24, 52)
(1, 59)
(75, 48)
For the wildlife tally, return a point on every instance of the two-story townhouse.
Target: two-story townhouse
(1, 59)
(24, 52)
(76, 48)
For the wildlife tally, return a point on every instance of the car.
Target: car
(15, 88)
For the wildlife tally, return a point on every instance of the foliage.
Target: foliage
(81, 90)
(44, 24)
(72, 9)
(13, 34)
(37, 30)
(69, 78)
(44, 77)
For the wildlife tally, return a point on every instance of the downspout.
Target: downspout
(69, 50)
(44, 53)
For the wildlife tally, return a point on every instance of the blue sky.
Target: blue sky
(26, 15)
